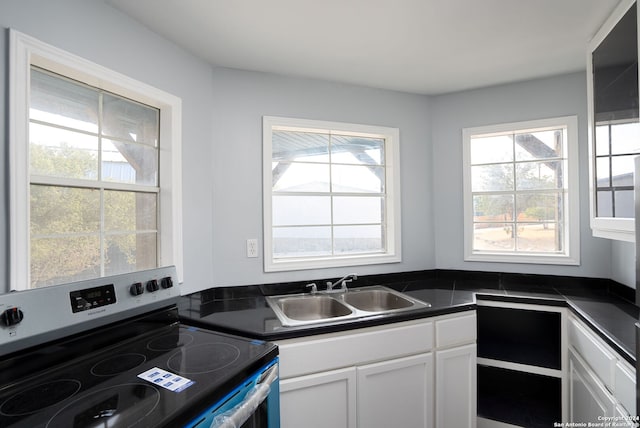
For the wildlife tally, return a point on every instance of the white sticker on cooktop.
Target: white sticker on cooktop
(165, 379)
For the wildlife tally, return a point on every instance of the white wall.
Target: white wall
(241, 98)
(222, 143)
(537, 99)
(99, 33)
(623, 263)
(222, 139)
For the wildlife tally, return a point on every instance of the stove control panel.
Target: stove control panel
(91, 298)
(31, 317)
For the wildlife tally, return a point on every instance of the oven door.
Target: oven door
(256, 404)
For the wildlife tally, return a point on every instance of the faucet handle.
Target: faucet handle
(313, 287)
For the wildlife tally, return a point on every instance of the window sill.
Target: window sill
(329, 262)
(560, 259)
(618, 229)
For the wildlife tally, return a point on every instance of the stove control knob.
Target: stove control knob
(11, 316)
(166, 282)
(152, 285)
(136, 289)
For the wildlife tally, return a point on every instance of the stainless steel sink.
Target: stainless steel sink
(313, 307)
(307, 308)
(376, 300)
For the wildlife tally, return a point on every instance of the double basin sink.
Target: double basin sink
(306, 308)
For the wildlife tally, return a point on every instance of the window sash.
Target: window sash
(25, 52)
(388, 194)
(145, 257)
(566, 249)
(613, 170)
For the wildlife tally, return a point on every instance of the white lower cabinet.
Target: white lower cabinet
(382, 376)
(396, 393)
(588, 398)
(319, 400)
(601, 383)
(456, 387)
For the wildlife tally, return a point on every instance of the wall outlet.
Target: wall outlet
(252, 248)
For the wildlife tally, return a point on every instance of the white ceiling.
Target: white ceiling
(419, 46)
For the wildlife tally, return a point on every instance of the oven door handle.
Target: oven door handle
(239, 414)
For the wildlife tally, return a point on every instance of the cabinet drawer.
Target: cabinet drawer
(625, 387)
(593, 352)
(337, 350)
(457, 330)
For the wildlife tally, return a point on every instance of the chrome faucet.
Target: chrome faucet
(342, 282)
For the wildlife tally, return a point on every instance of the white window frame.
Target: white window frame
(393, 245)
(615, 228)
(571, 255)
(26, 51)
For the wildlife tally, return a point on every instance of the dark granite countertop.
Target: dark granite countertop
(606, 306)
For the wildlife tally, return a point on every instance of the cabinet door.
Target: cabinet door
(623, 418)
(320, 400)
(596, 354)
(588, 398)
(456, 387)
(625, 382)
(613, 116)
(396, 393)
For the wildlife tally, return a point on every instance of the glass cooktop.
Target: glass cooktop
(163, 377)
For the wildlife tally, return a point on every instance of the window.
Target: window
(520, 190)
(331, 194)
(89, 199)
(612, 95)
(616, 145)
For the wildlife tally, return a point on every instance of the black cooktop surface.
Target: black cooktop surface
(163, 377)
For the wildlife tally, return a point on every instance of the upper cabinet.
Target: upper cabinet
(614, 127)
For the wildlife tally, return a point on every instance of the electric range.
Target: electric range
(111, 352)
